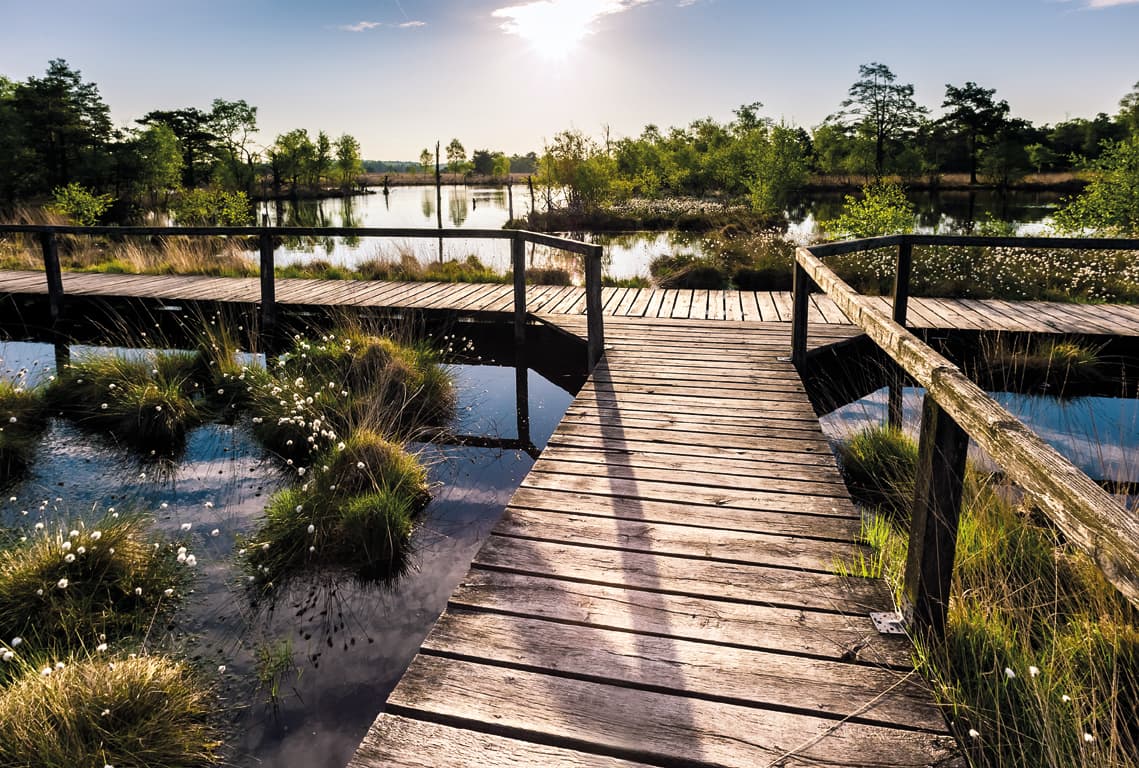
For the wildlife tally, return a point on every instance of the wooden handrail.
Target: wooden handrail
(267, 239)
(1080, 508)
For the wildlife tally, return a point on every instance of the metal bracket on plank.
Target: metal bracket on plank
(888, 622)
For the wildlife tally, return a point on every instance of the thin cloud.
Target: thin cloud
(576, 14)
(1110, 3)
(360, 26)
(412, 24)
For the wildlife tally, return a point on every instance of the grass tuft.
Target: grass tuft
(23, 418)
(58, 590)
(138, 711)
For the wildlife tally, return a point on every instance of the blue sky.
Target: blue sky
(506, 74)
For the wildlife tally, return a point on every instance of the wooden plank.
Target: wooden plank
(627, 301)
(641, 304)
(831, 487)
(699, 309)
(626, 535)
(733, 306)
(760, 584)
(827, 308)
(798, 629)
(679, 513)
(782, 302)
(612, 719)
(770, 501)
(683, 305)
(755, 678)
(409, 743)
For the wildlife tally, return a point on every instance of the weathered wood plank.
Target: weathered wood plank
(757, 678)
(409, 743)
(677, 512)
(761, 585)
(612, 718)
(797, 629)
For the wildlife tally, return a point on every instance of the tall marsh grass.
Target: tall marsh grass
(1040, 662)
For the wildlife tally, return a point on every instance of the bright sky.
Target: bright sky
(506, 74)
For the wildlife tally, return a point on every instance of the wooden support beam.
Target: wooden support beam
(933, 528)
(518, 262)
(51, 268)
(902, 282)
(268, 285)
(593, 305)
(800, 303)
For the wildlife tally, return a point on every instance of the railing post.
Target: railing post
(268, 286)
(54, 279)
(933, 529)
(902, 282)
(594, 321)
(800, 301)
(518, 262)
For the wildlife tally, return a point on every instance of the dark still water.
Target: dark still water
(303, 675)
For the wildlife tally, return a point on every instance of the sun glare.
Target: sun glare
(554, 28)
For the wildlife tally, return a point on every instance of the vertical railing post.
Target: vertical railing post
(594, 322)
(50, 248)
(902, 282)
(800, 301)
(938, 488)
(268, 286)
(518, 263)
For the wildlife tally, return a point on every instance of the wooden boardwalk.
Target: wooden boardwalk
(749, 306)
(661, 589)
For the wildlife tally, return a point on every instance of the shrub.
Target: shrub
(212, 207)
(882, 210)
(79, 204)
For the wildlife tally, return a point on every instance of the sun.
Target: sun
(553, 28)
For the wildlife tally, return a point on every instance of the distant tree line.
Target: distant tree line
(55, 132)
(878, 130)
(56, 138)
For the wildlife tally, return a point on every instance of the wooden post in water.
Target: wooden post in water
(594, 321)
(902, 282)
(518, 260)
(51, 269)
(933, 528)
(800, 299)
(439, 199)
(268, 286)
(509, 198)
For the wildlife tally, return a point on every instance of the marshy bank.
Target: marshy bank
(1040, 660)
(291, 650)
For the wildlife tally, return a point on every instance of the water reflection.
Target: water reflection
(627, 254)
(339, 644)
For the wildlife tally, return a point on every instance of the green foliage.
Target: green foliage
(882, 210)
(355, 511)
(881, 108)
(778, 168)
(212, 206)
(348, 165)
(456, 157)
(574, 162)
(1110, 203)
(79, 204)
(160, 159)
(135, 711)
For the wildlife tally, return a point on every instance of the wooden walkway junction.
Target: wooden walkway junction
(673, 304)
(661, 589)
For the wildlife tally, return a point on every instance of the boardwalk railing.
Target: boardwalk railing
(956, 409)
(268, 236)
